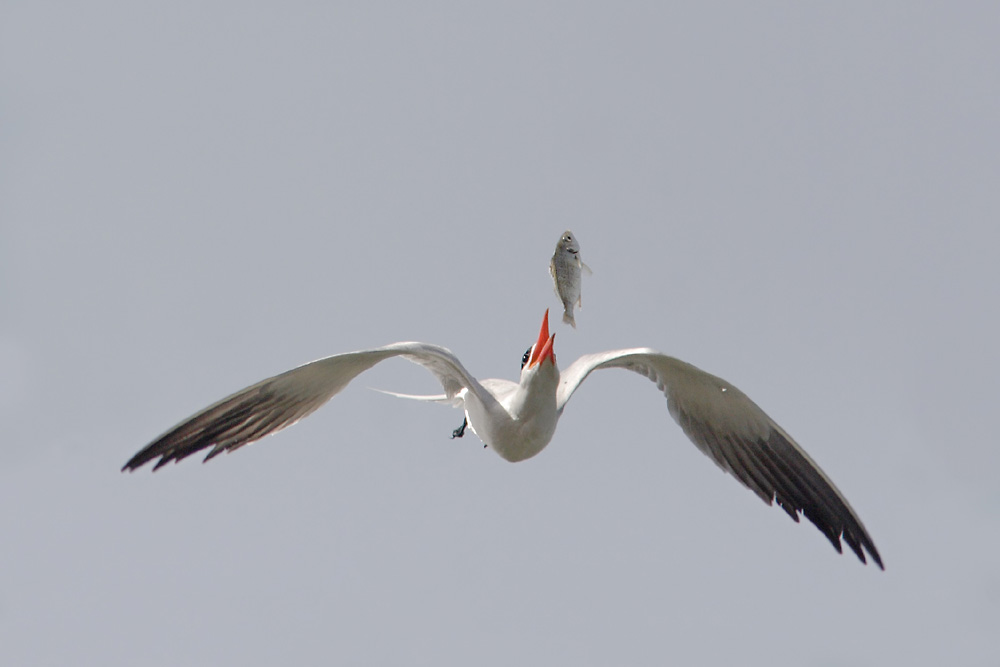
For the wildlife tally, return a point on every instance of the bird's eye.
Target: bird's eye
(527, 355)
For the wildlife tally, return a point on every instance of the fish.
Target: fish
(567, 269)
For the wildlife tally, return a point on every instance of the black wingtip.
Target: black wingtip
(144, 456)
(861, 545)
(134, 463)
(212, 454)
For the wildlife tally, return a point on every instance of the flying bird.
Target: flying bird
(518, 419)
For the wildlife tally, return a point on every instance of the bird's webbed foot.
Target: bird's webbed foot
(460, 431)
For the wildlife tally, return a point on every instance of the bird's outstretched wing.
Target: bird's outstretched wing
(735, 433)
(280, 401)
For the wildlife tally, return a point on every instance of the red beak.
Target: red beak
(542, 349)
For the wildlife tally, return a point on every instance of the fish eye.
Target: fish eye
(527, 355)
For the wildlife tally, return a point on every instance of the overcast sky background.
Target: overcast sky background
(802, 199)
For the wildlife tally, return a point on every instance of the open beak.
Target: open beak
(543, 349)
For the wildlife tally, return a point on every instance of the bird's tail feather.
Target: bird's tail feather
(430, 398)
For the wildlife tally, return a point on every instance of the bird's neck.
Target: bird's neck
(537, 397)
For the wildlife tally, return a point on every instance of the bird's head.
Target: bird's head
(536, 396)
(540, 358)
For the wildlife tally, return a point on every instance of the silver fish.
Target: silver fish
(567, 268)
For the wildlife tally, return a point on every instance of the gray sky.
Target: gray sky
(801, 199)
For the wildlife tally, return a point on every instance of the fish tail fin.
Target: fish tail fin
(569, 319)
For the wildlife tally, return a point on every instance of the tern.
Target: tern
(518, 419)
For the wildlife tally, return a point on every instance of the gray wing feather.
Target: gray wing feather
(740, 438)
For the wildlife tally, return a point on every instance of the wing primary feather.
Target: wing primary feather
(781, 492)
(184, 440)
(249, 430)
(722, 448)
(763, 484)
(829, 512)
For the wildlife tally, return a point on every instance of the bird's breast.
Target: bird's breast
(519, 440)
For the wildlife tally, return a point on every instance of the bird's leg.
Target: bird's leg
(460, 431)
